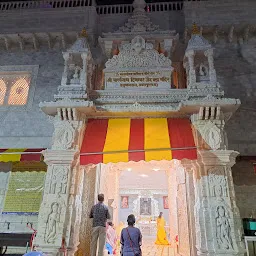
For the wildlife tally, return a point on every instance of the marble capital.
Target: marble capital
(59, 156)
(218, 157)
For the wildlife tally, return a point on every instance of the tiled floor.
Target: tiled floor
(150, 249)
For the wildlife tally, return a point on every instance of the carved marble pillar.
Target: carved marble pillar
(187, 164)
(192, 73)
(168, 46)
(116, 198)
(182, 211)
(110, 172)
(88, 200)
(65, 72)
(212, 71)
(217, 219)
(59, 215)
(83, 78)
(114, 176)
(172, 195)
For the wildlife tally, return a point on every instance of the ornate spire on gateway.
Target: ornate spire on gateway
(139, 22)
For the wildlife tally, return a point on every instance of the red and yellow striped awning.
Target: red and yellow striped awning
(123, 140)
(20, 155)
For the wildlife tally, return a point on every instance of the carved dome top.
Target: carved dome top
(139, 4)
(80, 45)
(198, 42)
(139, 22)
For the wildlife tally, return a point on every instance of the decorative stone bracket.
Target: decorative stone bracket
(209, 128)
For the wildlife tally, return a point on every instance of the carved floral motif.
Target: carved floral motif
(211, 132)
(64, 134)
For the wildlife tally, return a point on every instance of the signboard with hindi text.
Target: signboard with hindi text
(138, 79)
(25, 188)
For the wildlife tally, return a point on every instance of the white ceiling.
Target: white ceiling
(143, 178)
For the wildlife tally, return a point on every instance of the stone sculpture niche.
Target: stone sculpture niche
(199, 63)
(76, 77)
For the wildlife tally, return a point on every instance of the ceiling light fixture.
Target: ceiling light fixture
(129, 169)
(143, 175)
(156, 169)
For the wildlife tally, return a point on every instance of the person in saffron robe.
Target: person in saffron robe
(161, 234)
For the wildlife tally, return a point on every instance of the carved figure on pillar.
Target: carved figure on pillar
(218, 185)
(223, 233)
(52, 222)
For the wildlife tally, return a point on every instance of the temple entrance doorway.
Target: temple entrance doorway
(144, 193)
(145, 189)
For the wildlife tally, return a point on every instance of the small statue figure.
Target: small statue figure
(138, 44)
(76, 75)
(202, 73)
(223, 233)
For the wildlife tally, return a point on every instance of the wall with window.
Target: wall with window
(26, 79)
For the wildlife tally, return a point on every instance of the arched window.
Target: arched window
(19, 92)
(2, 91)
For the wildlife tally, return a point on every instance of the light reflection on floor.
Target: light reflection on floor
(150, 249)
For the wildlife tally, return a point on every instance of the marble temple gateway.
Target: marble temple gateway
(152, 104)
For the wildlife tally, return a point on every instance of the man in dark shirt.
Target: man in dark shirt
(100, 214)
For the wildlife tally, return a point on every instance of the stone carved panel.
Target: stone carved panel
(76, 211)
(64, 135)
(52, 212)
(212, 133)
(222, 211)
(138, 54)
(57, 179)
(223, 229)
(53, 220)
(218, 185)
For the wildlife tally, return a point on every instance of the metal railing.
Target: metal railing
(151, 7)
(101, 9)
(6, 6)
